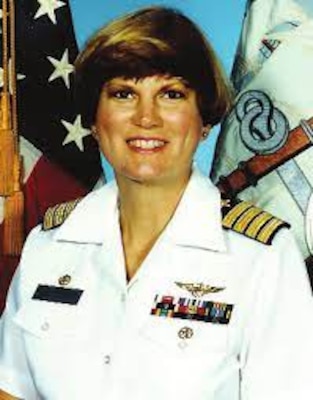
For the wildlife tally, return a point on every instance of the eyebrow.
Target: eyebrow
(131, 83)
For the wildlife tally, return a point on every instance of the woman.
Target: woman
(140, 292)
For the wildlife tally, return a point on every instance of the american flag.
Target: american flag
(61, 159)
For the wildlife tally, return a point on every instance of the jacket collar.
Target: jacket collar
(196, 222)
(93, 217)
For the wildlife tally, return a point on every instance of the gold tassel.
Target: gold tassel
(6, 162)
(5, 114)
(13, 224)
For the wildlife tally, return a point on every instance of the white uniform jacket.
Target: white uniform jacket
(245, 333)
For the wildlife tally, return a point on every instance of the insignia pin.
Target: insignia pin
(199, 289)
(64, 280)
(226, 203)
(185, 333)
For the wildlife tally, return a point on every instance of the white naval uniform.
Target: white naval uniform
(109, 346)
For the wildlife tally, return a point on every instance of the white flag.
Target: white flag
(265, 148)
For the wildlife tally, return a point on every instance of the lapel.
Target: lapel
(197, 221)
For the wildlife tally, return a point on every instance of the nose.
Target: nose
(147, 114)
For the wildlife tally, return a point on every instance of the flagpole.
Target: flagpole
(10, 175)
(6, 142)
(13, 71)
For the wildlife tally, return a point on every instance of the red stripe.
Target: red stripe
(46, 186)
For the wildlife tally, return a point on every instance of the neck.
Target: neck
(145, 211)
(147, 208)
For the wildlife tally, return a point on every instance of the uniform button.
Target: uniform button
(185, 334)
(107, 359)
(182, 345)
(123, 298)
(45, 326)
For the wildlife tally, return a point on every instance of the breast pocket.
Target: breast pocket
(193, 353)
(53, 321)
(186, 338)
(62, 346)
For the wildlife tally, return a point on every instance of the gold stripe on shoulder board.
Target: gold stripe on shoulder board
(245, 218)
(56, 215)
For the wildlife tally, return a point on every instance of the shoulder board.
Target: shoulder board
(56, 215)
(245, 218)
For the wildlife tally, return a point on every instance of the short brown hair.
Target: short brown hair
(152, 41)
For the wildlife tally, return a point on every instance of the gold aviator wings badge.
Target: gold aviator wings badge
(199, 289)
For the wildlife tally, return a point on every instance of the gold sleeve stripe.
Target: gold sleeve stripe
(258, 223)
(48, 217)
(267, 232)
(245, 219)
(59, 214)
(234, 213)
(55, 216)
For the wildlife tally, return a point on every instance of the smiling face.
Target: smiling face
(148, 129)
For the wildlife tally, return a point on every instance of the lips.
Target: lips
(146, 144)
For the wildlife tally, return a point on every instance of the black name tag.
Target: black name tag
(57, 294)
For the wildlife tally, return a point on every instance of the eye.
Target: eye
(122, 94)
(174, 94)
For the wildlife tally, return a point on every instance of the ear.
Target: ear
(94, 132)
(205, 131)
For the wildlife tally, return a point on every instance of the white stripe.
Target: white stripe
(30, 155)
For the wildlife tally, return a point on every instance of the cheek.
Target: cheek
(108, 118)
(104, 123)
(187, 124)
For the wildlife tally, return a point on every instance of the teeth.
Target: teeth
(146, 144)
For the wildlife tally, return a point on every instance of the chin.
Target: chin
(152, 174)
(145, 173)
(146, 179)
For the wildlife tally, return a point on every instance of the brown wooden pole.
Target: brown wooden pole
(14, 201)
